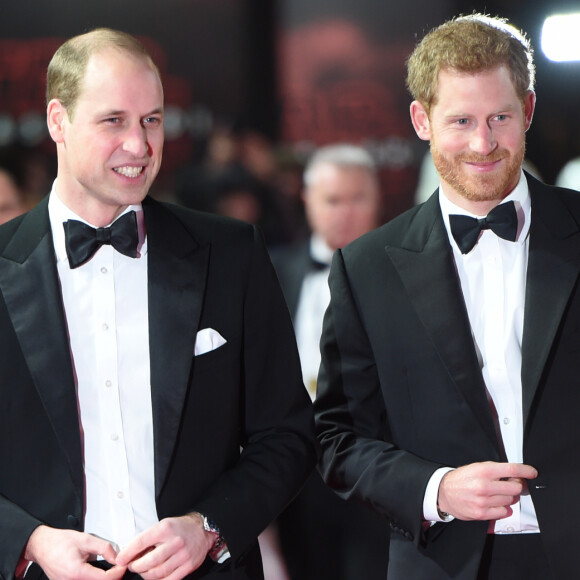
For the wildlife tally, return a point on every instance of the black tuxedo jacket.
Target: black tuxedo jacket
(401, 393)
(233, 431)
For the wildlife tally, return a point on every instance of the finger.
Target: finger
(179, 573)
(521, 470)
(90, 544)
(494, 470)
(507, 487)
(110, 554)
(116, 572)
(173, 567)
(134, 549)
(503, 500)
(499, 513)
(147, 560)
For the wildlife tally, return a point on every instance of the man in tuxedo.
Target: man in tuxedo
(446, 397)
(321, 536)
(341, 198)
(153, 416)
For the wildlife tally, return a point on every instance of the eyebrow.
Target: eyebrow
(120, 112)
(157, 111)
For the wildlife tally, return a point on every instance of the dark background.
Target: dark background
(300, 73)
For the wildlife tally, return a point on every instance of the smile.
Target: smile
(129, 171)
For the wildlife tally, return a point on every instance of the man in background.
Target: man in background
(323, 537)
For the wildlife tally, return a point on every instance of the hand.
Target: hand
(65, 555)
(483, 491)
(168, 550)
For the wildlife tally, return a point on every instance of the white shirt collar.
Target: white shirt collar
(320, 250)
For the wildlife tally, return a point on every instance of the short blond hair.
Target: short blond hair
(67, 67)
(470, 44)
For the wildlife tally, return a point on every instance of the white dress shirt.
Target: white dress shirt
(105, 302)
(312, 303)
(493, 282)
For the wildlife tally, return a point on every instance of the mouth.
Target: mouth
(483, 164)
(483, 161)
(127, 171)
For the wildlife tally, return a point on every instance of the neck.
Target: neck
(475, 207)
(96, 214)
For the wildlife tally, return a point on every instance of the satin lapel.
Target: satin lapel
(177, 269)
(30, 286)
(426, 267)
(553, 269)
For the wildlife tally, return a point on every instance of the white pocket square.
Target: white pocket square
(207, 340)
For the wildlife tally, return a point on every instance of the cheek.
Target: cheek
(156, 145)
(451, 145)
(364, 215)
(513, 141)
(317, 216)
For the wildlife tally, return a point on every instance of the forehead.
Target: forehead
(491, 87)
(115, 74)
(343, 180)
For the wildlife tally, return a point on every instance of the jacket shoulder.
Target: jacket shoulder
(553, 204)
(8, 229)
(391, 233)
(204, 227)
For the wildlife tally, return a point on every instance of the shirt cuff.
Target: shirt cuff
(21, 568)
(431, 512)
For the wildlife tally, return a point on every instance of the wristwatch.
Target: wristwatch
(220, 552)
(444, 515)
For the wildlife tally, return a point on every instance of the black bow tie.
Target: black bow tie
(82, 240)
(502, 220)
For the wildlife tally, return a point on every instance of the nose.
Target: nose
(135, 141)
(483, 140)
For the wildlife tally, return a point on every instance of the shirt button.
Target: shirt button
(108, 383)
(114, 437)
(120, 495)
(105, 326)
(506, 421)
(104, 270)
(510, 529)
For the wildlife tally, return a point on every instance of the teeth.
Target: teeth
(129, 171)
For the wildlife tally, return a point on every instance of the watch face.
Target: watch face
(209, 526)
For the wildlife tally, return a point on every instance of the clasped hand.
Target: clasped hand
(484, 491)
(168, 550)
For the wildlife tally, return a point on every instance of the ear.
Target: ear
(56, 116)
(529, 107)
(420, 121)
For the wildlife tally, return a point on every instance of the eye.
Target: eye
(152, 121)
